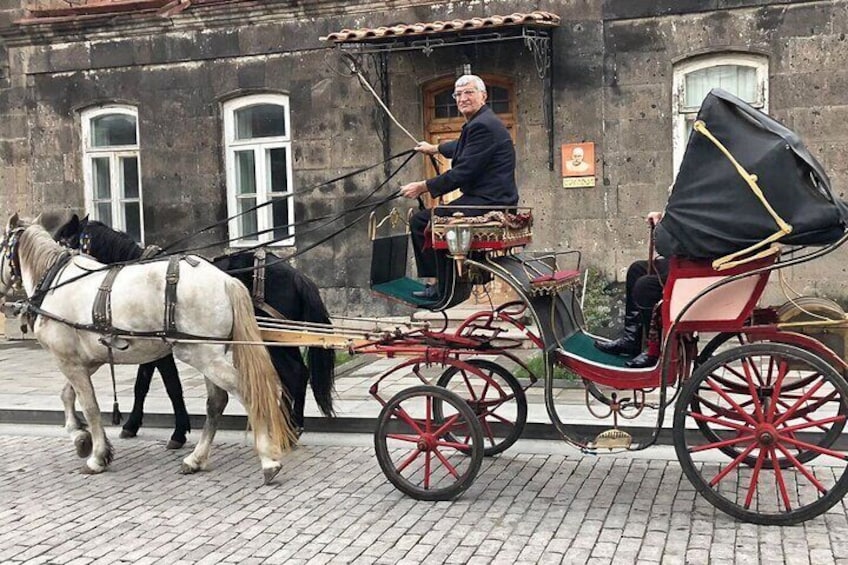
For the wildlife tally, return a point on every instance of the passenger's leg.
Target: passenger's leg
(651, 355)
(629, 342)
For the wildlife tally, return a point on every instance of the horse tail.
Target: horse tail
(259, 385)
(322, 361)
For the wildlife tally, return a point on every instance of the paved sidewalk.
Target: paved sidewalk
(31, 382)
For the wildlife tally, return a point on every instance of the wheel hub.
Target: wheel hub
(766, 435)
(426, 442)
(479, 408)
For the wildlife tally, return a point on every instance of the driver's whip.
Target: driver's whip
(355, 70)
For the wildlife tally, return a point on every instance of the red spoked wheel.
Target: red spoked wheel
(776, 412)
(733, 385)
(495, 396)
(416, 446)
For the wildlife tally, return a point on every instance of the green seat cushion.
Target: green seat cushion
(402, 289)
(583, 346)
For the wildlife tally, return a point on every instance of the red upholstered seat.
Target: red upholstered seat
(556, 277)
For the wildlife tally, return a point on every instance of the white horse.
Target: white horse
(210, 304)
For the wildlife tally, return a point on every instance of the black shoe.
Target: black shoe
(642, 361)
(623, 346)
(630, 341)
(430, 292)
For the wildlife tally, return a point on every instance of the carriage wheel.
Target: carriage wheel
(779, 407)
(735, 386)
(498, 400)
(712, 346)
(705, 354)
(416, 448)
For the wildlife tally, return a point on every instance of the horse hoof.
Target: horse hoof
(86, 470)
(82, 444)
(126, 434)
(270, 473)
(174, 444)
(186, 469)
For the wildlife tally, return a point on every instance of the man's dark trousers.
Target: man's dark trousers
(425, 259)
(643, 291)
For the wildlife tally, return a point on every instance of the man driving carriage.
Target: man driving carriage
(483, 168)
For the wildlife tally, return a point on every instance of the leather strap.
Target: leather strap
(268, 309)
(171, 279)
(259, 286)
(42, 288)
(101, 310)
(259, 276)
(150, 251)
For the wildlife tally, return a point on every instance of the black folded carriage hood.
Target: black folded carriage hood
(713, 211)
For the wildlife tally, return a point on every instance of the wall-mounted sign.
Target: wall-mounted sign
(578, 165)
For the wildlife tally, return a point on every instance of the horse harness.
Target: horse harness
(101, 311)
(44, 285)
(259, 286)
(10, 255)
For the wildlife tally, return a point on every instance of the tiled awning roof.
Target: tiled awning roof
(537, 18)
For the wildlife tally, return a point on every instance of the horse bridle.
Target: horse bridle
(85, 242)
(9, 249)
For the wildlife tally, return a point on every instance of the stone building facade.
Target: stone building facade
(620, 74)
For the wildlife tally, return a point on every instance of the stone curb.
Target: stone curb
(338, 425)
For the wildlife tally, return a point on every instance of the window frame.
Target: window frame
(115, 153)
(260, 147)
(682, 69)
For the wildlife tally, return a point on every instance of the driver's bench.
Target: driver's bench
(496, 231)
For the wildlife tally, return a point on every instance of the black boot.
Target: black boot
(642, 361)
(630, 341)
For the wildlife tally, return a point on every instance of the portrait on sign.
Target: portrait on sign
(578, 159)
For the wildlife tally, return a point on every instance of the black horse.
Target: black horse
(286, 290)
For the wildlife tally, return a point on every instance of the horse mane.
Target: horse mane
(110, 246)
(37, 249)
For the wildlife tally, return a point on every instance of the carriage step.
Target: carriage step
(613, 439)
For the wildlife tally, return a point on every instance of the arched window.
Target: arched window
(257, 140)
(743, 75)
(111, 168)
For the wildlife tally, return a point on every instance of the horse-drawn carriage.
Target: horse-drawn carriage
(757, 411)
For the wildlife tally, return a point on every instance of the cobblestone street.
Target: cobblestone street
(541, 502)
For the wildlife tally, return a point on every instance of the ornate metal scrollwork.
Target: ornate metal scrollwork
(539, 47)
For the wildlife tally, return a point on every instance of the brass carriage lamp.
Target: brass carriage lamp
(458, 238)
